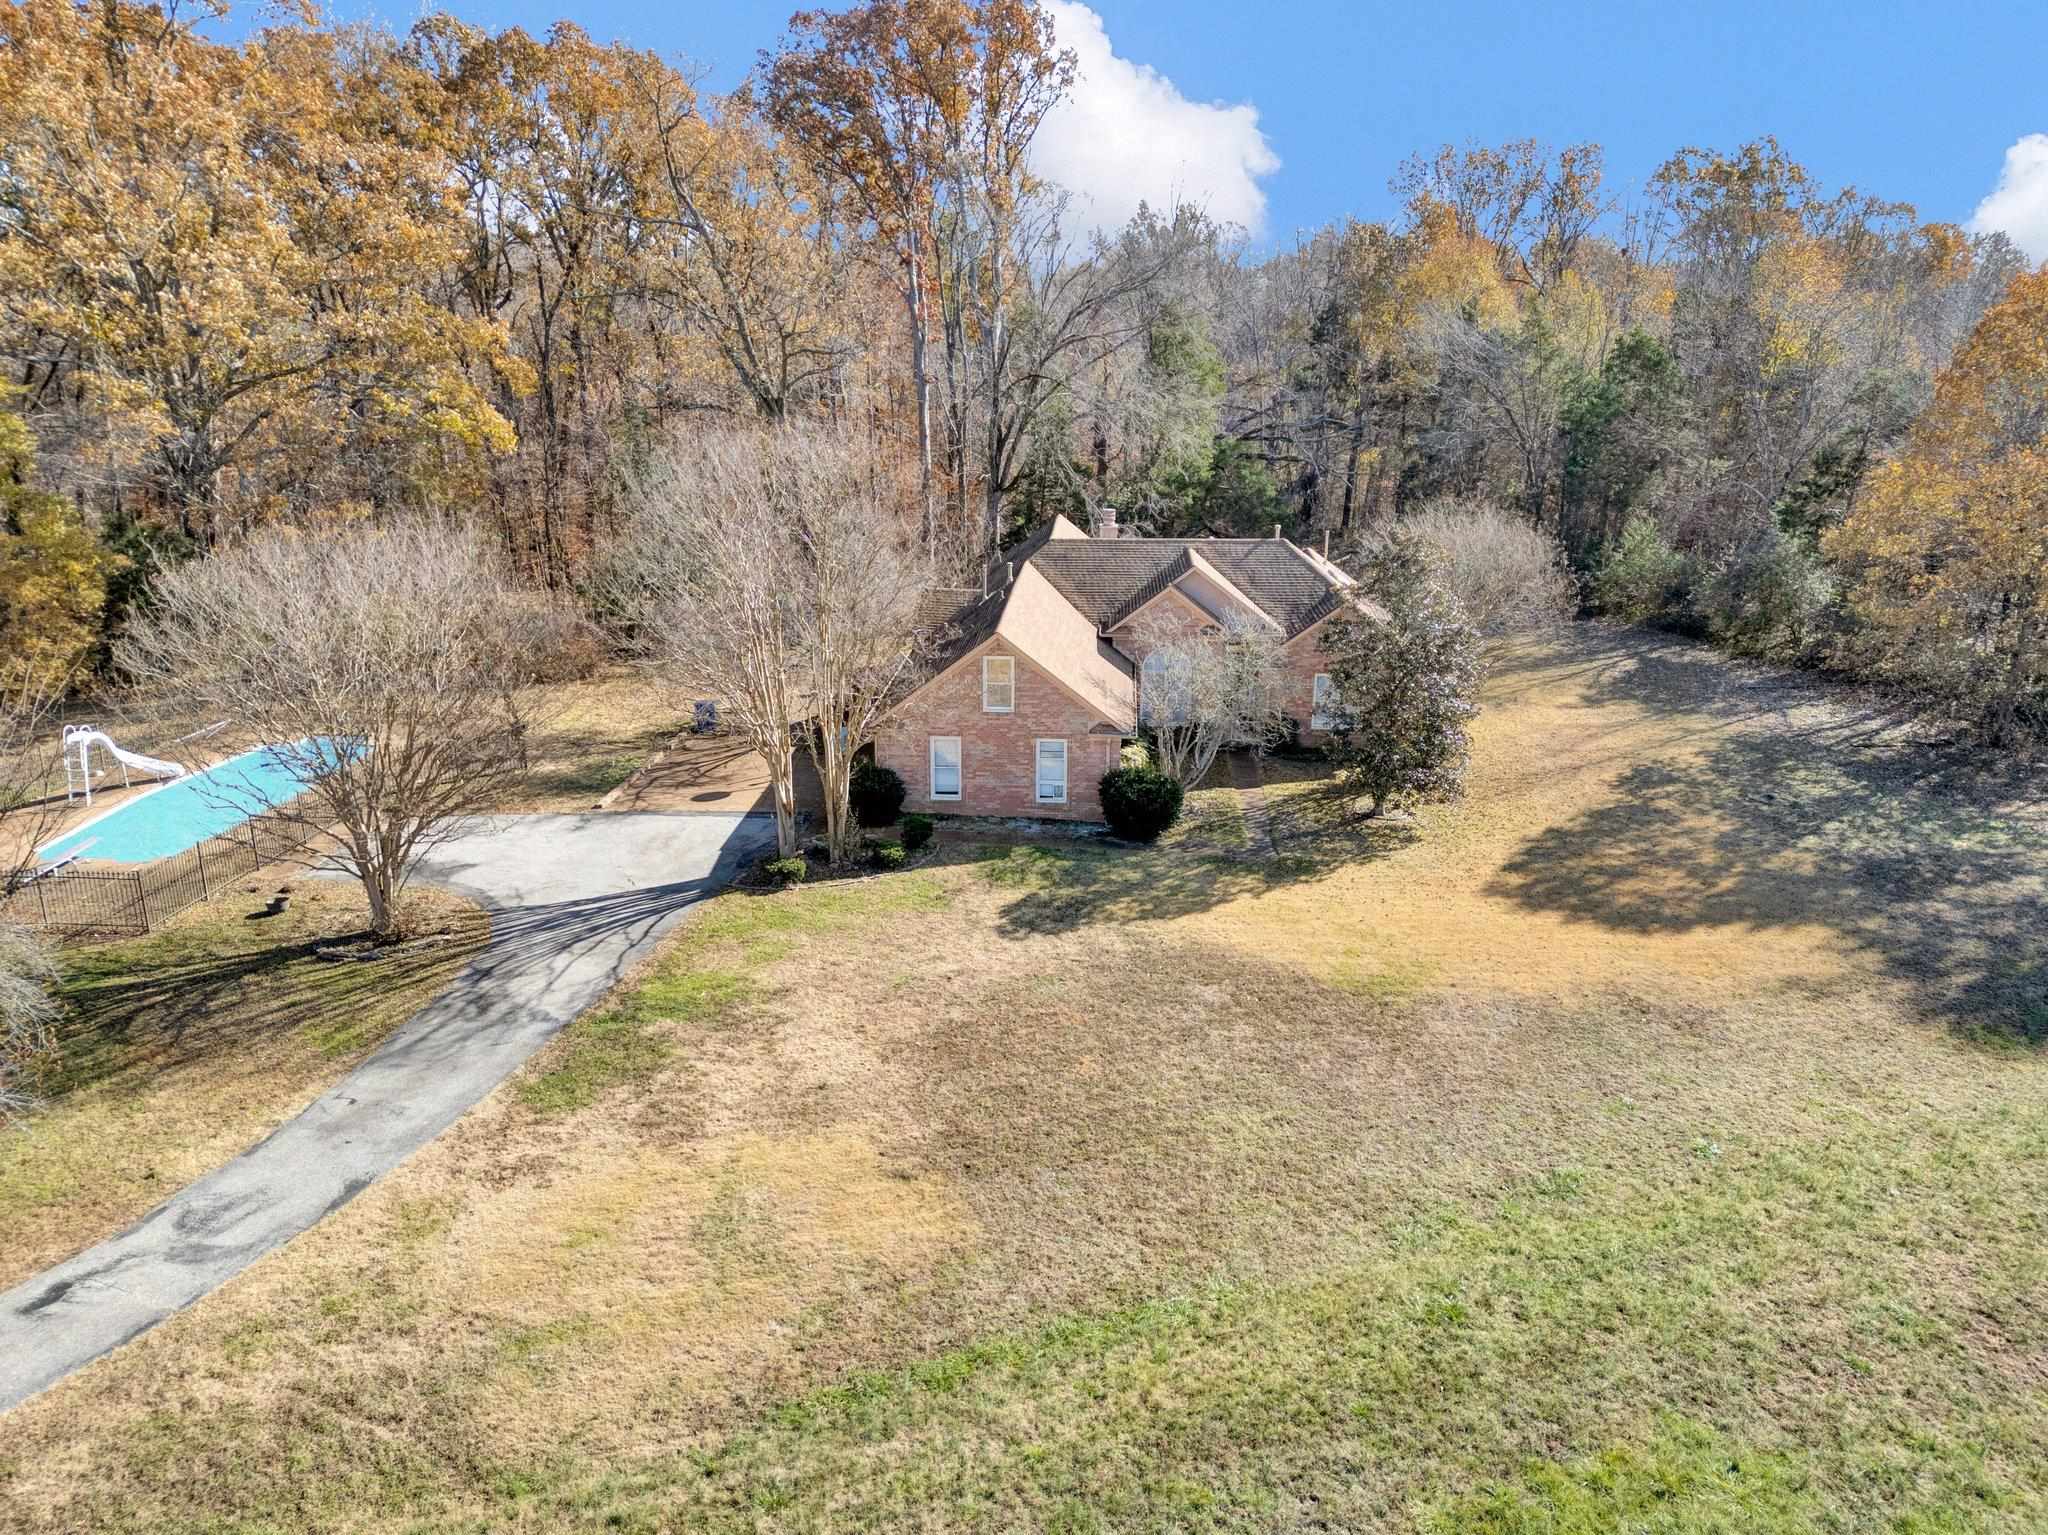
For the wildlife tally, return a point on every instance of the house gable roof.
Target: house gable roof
(1031, 616)
(1107, 579)
(1053, 597)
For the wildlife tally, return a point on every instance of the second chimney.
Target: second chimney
(1103, 523)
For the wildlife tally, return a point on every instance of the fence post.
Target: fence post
(142, 900)
(255, 848)
(42, 903)
(199, 852)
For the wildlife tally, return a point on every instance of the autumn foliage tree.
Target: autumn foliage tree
(53, 575)
(204, 248)
(1949, 551)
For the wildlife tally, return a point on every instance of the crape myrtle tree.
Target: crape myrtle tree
(391, 668)
(1405, 689)
(1203, 691)
(765, 568)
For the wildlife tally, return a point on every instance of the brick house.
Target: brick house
(1041, 670)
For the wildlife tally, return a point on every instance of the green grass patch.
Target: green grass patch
(1688, 1480)
(596, 776)
(1665, 1350)
(1025, 868)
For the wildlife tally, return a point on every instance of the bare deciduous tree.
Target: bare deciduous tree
(29, 755)
(856, 617)
(767, 568)
(1202, 692)
(28, 1036)
(1508, 576)
(27, 810)
(390, 669)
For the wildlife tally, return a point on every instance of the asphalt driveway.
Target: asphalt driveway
(575, 901)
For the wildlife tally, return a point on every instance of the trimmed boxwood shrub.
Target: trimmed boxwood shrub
(875, 792)
(1139, 803)
(888, 855)
(790, 871)
(917, 831)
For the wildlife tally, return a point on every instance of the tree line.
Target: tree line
(336, 273)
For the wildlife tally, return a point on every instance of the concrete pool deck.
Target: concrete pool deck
(575, 901)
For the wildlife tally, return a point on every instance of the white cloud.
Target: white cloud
(2019, 203)
(1125, 135)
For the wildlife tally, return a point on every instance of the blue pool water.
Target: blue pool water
(188, 810)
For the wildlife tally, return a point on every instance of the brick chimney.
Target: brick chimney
(1102, 522)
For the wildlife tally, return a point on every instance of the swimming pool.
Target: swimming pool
(188, 810)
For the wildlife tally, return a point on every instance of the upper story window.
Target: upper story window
(1162, 689)
(998, 684)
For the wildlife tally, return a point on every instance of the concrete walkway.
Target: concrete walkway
(575, 901)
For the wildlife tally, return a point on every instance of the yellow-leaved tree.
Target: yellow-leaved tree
(228, 255)
(1948, 554)
(53, 576)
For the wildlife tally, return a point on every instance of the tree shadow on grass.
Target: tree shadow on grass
(1071, 885)
(137, 1011)
(1814, 815)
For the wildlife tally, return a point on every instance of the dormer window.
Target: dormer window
(998, 684)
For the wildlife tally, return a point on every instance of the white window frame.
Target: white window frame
(1320, 716)
(1009, 685)
(931, 763)
(1038, 770)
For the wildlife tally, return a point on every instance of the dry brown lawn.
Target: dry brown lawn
(1652, 1141)
(593, 735)
(183, 1048)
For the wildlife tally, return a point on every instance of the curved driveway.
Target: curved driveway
(574, 899)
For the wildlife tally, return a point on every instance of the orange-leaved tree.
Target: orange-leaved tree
(218, 252)
(1948, 553)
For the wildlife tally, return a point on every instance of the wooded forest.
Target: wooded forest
(336, 272)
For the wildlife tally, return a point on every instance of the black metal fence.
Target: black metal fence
(105, 899)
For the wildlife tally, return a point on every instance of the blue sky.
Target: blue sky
(1919, 101)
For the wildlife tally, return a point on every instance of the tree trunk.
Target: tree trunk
(921, 384)
(782, 782)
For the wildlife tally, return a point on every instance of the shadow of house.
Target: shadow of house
(1828, 818)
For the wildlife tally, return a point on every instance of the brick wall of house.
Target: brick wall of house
(1304, 658)
(998, 752)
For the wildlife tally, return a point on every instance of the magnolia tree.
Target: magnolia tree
(388, 668)
(762, 567)
(1404, 689)
(1203, 691)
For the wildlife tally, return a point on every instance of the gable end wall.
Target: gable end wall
(998, 761)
